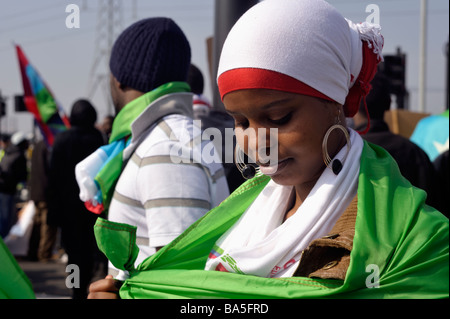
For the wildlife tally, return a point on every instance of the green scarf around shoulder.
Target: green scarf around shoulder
(399, 241)
(109, 172)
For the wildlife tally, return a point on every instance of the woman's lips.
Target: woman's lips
(270, 170)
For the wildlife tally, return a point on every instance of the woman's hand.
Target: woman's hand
(107, 288)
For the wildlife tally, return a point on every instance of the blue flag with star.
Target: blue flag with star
(431, 134)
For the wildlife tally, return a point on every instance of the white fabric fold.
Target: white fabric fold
(85, 172)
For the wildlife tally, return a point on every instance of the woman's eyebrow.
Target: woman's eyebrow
(266, 106)
(275, 103)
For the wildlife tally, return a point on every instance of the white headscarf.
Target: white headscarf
(306, 40)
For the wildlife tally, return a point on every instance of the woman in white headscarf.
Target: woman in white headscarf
(327, 215)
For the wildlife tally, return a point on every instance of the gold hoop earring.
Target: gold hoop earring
(248, 171)
(336, 165)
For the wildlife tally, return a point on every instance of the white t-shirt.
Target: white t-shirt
(162, 190)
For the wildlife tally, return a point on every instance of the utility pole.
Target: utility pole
(227, 12)
(422, 56)
(109, 25)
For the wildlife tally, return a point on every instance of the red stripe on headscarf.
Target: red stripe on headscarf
(362, 86)
(253, 78)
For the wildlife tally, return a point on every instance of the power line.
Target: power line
(109, 24)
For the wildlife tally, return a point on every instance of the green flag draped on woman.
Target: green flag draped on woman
(400, 248)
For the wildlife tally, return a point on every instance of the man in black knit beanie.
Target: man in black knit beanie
(145, 183)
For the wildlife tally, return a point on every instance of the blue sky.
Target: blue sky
(65, 57)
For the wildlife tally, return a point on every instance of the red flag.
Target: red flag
(40, 101)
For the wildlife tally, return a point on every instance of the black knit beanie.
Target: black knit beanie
(149, 53)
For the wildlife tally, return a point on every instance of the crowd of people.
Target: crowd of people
(61, 225)
(330, 206)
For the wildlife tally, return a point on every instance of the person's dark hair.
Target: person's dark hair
(379, 99)
(5, 137)
(83, 114)
(195, 79)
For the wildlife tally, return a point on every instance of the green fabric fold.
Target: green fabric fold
(122, 123)
(118, 243)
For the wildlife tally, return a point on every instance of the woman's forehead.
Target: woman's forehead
(255, 97)
(262, 100)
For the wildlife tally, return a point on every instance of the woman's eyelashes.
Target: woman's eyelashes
(281, 121)
(244, 123)
(241, 123)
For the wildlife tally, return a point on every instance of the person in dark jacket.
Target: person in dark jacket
(66, 210)
(43, 236)
(13, 170)
(413, 162)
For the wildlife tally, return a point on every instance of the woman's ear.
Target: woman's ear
(341, 113)
(336, 110)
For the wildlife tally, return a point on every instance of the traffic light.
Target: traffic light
(394, 67)
(19, 104)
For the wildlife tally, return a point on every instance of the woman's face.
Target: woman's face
(301, 122)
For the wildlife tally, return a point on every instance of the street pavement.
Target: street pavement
(48, 278)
